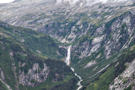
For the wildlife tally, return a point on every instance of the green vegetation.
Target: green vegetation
(13, 53)
(2, 86)
(105, 79)
(129, 88)
(37, 42)
(92, 77)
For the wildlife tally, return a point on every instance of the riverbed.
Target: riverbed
(68, 62)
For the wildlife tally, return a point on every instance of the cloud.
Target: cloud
(91, 1)
(6, 1)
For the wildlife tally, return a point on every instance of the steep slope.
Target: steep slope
(61, 21)
(21, 69)
(100, 34)
(124, 60)
(39, 43)
(96, 51)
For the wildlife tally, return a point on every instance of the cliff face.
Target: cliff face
(96, 51)
(23, 68)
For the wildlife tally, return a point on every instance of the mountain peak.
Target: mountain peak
(91, 1)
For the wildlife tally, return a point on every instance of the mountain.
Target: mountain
(104, 45)
(37, 42)
(90, 2)
(51, 16)
(97, 37)
(21, 68)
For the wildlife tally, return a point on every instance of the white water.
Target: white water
(68, 56)
(68, 63)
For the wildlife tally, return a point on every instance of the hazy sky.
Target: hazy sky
(91, 1)
(6, 1)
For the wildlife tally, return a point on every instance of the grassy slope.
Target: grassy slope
(2, 86)
(102, 83)
(33, 40)
(10, 43)
(91, 73)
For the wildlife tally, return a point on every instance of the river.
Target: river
(68, 63)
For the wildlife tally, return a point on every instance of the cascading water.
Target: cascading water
(68, 63)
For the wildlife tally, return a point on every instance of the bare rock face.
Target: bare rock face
(34, 76)
(116, 35)
(62, 19)
(125, 79)
(2, 74)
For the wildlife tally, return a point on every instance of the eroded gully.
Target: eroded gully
(68, 63)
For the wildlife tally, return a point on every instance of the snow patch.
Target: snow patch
(97, 39)
(91, 63)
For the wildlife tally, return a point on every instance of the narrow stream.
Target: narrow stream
(68, 63)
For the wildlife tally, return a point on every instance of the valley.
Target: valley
(67, 45)
(68, 58)
(27, 68)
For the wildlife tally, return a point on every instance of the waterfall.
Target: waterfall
(68, 63)
(68, 56)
